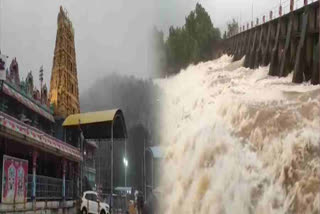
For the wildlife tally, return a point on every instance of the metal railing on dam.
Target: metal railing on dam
(289, 43)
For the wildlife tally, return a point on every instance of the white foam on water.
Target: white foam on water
(239, 141)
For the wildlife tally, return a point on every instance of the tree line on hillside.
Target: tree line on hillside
(189, 44)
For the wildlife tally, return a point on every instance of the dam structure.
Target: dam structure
(288, 42)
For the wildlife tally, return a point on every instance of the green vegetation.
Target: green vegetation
(233, 28)
(190, 43)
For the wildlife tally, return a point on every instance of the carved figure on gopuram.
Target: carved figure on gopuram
(2, 64)
(44, 95)
(36, 95)
(29, 84)
(14, 73)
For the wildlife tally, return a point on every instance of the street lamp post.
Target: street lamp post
(112, 139)
(125, 162)
(82, 160)
(144, 169)
(111, 191)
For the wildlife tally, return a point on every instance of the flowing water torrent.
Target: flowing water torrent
(239, 141)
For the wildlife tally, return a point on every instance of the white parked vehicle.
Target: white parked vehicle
(91, 204)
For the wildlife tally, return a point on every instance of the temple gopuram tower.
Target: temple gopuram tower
(64, 92)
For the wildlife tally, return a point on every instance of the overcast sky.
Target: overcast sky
(109, 35)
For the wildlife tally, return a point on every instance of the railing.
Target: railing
(48, 188)
(119, 202)
(29, 192)
(285, 7)
(70, 189)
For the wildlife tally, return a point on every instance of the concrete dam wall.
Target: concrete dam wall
(289, 43)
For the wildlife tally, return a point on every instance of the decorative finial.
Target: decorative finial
(41, 80)
(41, 73)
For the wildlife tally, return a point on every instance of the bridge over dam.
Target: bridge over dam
(288, 43)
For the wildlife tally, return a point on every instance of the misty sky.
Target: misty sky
(110, 36)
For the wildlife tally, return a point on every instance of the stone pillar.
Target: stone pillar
(76, 179)
(64, 169)
(259, 49)
(300, 61)
(267, 48)
(274, 59)
(280, 11)
(291, 5)
(34, 174)
(285, 64)
(270, 16)
(72, 175)
(34, 179)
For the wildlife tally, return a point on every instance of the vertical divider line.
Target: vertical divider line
(1, 35)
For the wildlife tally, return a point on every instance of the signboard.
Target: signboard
(3, 59)
(14, 180)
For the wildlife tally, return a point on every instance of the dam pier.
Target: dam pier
(288, 43)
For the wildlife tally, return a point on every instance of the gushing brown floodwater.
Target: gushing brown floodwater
(239, 141)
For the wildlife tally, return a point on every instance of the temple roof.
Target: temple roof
(27, 101)
(90, 117)
(26, 134)
(100, 124)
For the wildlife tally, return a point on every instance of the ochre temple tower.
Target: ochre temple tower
(64, 92)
